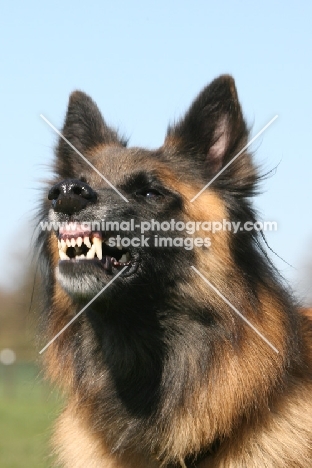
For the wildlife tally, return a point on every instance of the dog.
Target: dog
(177, 345)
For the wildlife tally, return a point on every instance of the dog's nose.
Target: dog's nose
(71, 196)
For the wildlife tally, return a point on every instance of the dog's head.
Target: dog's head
(112, 206)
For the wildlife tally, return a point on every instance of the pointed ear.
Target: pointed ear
(85, 129)
(213, 131)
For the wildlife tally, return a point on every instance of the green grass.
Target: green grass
(28, 408)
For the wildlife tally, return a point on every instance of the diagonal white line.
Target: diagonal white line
(235, 157)
(84, 158)
(235, 310)
(82, 310)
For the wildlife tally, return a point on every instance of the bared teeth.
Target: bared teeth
(97, 244)
(94, 246)
(87, 242)
(91, 252)
(63, 255)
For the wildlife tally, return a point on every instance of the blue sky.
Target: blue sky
(143, 63)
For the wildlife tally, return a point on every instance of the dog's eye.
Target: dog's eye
(152, 193)
(149, 193)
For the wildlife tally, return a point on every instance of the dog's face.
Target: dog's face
(102, 196)
(104, 233)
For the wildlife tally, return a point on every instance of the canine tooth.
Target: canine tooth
(68, 243)
(81, 256)
(79, 241)
(87, 242)
(97, 244)
(59, 244)
(124, 258)
(118, 245)
(73, 242)
(63, 255)
(63, 245)
(91, 252)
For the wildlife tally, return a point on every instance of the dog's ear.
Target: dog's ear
(213, 131)
(84, 128)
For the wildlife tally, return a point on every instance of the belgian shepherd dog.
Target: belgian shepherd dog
(159, 370)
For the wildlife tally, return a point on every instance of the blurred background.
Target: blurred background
(143, 63)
